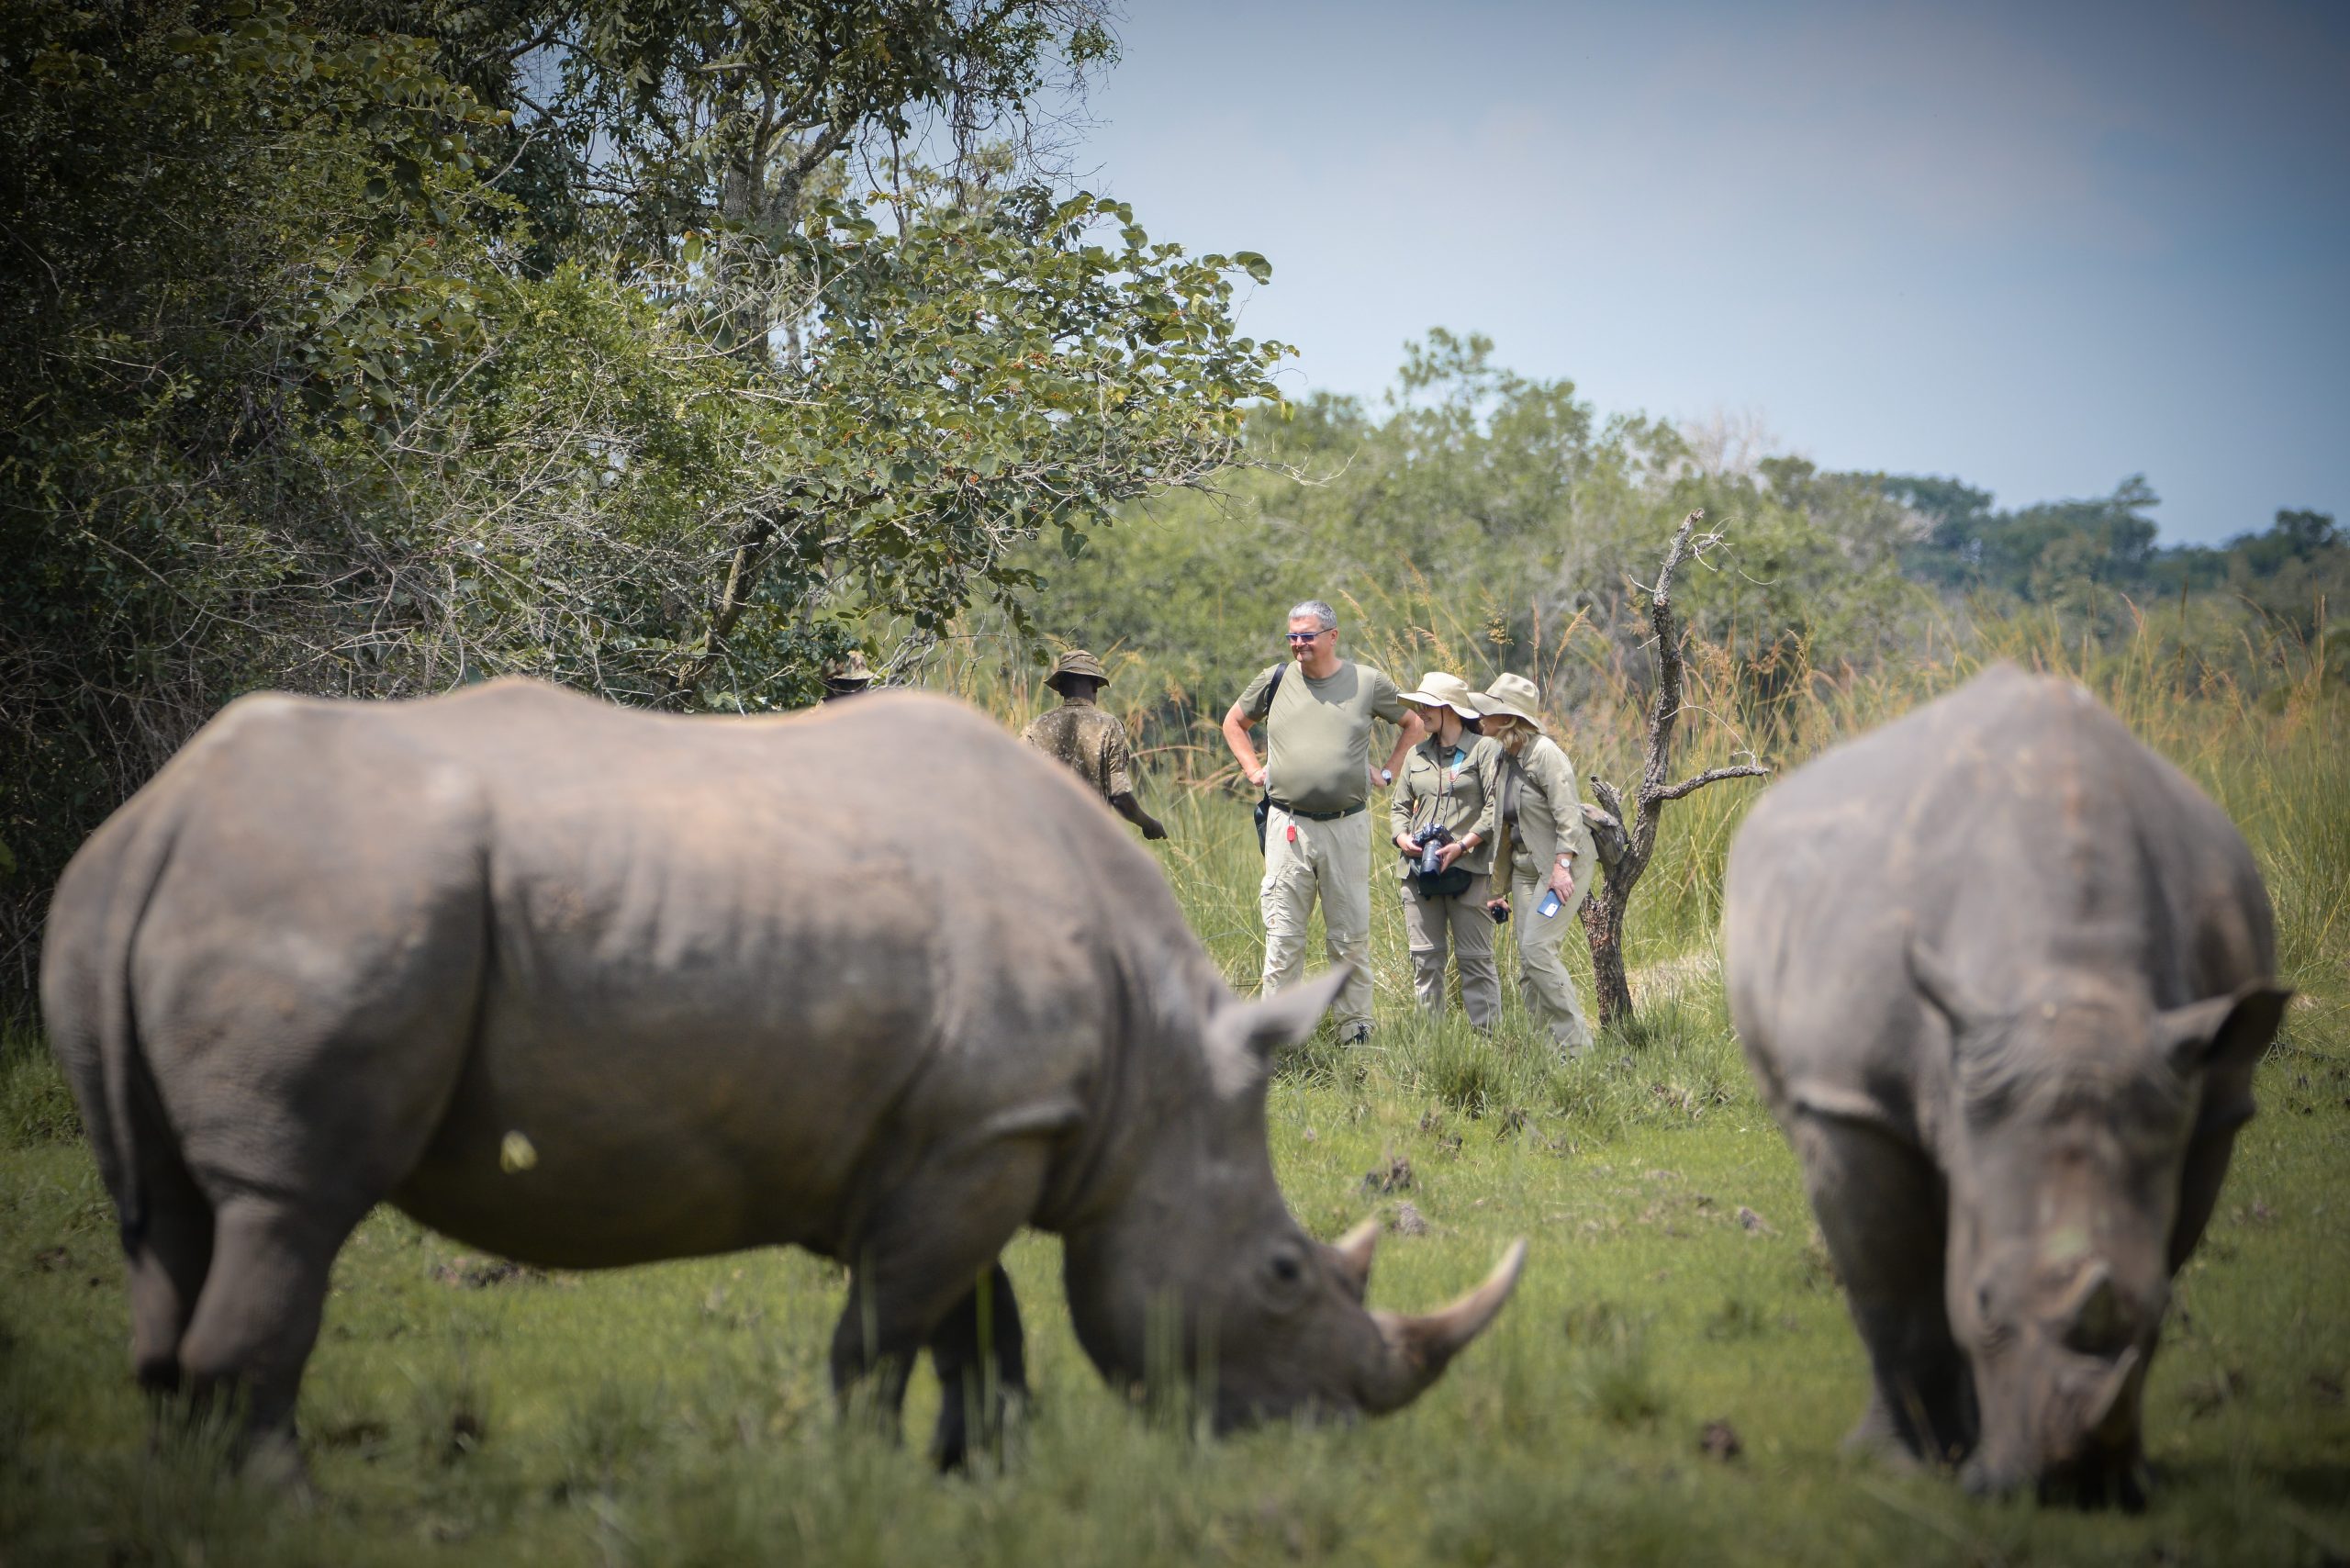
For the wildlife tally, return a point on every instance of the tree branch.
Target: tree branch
(1713, 776)
(1665, 710)
(1607, 796)
(742, 580)
(824, 147)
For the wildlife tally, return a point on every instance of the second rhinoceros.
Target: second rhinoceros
(2002, 974)
(592, 987)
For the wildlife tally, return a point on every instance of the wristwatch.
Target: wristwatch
(1386, 776)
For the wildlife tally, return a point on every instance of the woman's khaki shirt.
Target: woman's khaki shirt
(1541, 812)
(1430, 789)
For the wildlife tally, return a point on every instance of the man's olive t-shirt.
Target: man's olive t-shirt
(1318, 750)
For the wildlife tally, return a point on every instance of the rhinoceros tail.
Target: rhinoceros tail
(121, 1064)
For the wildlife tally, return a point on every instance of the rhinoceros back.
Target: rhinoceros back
(598, 986)
(1998, 824)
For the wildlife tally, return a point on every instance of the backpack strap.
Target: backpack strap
(1264, 791)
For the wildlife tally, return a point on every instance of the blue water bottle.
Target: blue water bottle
(1550, 903)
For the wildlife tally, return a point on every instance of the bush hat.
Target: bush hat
(847, 672)
(1076, 661)
(1437, 689)
(1512, 696)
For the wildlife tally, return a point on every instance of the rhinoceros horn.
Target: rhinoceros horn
(1352, 1252)
(2110, 1416)
(1414, 1350)
(2091, 1309)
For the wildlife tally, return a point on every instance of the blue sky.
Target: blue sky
(2038, 247)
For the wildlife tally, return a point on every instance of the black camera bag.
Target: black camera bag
(1448, 884)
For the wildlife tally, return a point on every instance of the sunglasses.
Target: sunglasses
(1309, 636)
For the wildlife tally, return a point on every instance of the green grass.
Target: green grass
(678, 1413)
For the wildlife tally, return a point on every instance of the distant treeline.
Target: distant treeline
(1476, 519)
(2051, 550)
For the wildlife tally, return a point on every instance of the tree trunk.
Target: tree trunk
(1603, 923)
(1603, 913)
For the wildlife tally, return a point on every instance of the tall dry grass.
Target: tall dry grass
(2274, 756)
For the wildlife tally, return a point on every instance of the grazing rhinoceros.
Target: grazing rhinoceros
(2002, 974)
(591, 987)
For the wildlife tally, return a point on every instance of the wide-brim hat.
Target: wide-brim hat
(1076, 661)
(1437, 689)
(850, 671)
(1512, 696)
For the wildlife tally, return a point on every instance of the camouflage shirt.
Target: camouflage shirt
(1089, 740)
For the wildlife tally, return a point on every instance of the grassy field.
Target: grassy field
(1670, 1383)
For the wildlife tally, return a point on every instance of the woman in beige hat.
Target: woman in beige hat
(1440, 820)
(1539, 816)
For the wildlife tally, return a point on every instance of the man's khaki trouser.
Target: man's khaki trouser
(1429, 925)
(1542, 979)
(1332, 858)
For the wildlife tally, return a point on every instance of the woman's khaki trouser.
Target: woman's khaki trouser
(1542, 979)
(1430, 926)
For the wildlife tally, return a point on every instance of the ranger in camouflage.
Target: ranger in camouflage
(1090, 740)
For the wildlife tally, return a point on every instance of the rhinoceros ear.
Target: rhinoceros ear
(1243, 1038)
(1943, 988)
(2222, 1030)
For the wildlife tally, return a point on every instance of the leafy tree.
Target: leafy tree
(229, 243)
(636, 125)
(311, 389)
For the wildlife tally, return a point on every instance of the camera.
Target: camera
(1429, 840)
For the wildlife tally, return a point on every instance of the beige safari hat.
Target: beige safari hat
(1513, 695)
(1076, 661)
(1437, 689)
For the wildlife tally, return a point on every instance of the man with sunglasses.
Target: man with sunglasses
(1317, 773)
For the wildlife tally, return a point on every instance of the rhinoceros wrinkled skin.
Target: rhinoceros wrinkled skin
(592, 987)
(2003, 975)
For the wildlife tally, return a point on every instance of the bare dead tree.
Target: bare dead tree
(1627, 843)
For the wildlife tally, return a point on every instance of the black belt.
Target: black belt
(1316, 816)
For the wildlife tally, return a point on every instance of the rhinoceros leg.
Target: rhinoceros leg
(258, 1318)
(982, 1366)
(918, 1256)
(165, 1265)
(1880, 1208)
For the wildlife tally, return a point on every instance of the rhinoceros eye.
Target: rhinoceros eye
(1283, 1277)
